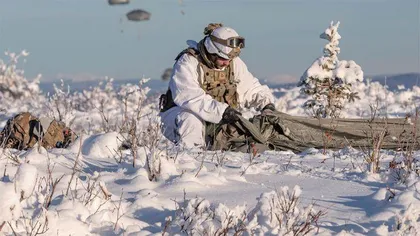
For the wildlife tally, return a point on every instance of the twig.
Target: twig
(14, 232)
(105, 191)
(75, 166)
(118, 212)
(1, 226)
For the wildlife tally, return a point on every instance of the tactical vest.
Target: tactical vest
(220, 85)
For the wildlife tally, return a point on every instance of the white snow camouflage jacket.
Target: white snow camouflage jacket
(188, 94)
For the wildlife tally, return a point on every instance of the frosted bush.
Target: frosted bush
(99, 97)
(198, 217)
(13, 83)
(17, 93)
(111, 109)
(133, 100)
(34, 214)
(277, 212)
(407, 223)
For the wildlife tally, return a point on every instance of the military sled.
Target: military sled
(280, 131)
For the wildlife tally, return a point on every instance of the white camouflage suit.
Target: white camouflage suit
(185, 123)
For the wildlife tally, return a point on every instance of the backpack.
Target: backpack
(24, 130)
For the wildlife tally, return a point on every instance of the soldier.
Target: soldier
(208, 85)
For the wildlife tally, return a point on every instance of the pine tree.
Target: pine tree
(328, 80)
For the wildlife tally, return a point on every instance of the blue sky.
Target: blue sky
(85, 38)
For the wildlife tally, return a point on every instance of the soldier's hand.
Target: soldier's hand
(230, 115)
(269, 108)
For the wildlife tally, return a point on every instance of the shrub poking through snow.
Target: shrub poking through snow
(328, 80)
(132, 99)
(407, 223)
(27, 203)
(61, 105)
(97, 97)
(198, 217)
(103, 99)
(407, 214)
(151, 138)
(276, 212)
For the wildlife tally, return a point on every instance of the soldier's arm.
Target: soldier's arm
(252, 93)
(188, 94)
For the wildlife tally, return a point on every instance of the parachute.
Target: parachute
(118, 2)
(138, 15)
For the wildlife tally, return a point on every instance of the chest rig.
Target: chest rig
(219, 84)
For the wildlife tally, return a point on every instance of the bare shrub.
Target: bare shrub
(76, 167)
(407, 222)
(405, 165)
(61, 105)
(102, 98)
(251, 162)
(375, 136)
(276, 212)
(197, 216)
(279, 210)
(152, 137)
(34, 220)
(132, 99)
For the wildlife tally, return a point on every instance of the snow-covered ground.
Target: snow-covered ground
(92, 189)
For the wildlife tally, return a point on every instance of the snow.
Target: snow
(9, 202)
(94, 188)
(25, 180)
(355, 201)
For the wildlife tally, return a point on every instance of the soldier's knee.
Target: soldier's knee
(190, 129)
(190, 120)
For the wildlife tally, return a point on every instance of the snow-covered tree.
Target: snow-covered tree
(328, 80)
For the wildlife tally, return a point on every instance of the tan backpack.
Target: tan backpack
(24, 130)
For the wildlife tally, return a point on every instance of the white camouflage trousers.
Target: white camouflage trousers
(182, 127)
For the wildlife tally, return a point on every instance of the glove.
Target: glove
(230, 115)
(268, 109)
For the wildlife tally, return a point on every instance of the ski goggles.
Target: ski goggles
(234, 42)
